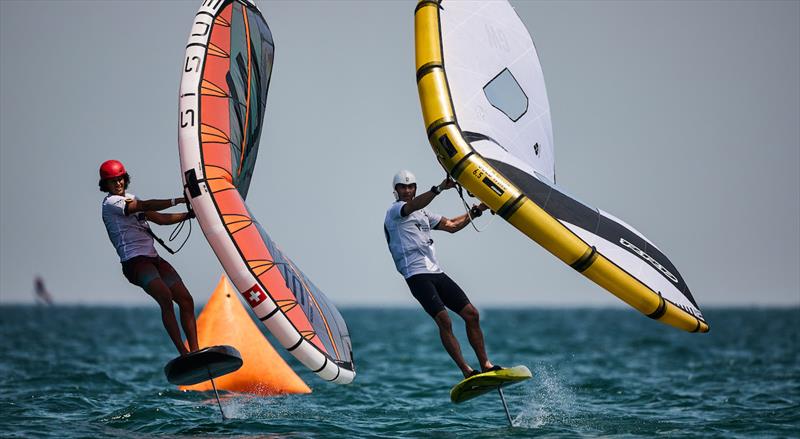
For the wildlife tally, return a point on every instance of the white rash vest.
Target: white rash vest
(128, 233)
(410, 241)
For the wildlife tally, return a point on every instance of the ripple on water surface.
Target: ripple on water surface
(92, 372)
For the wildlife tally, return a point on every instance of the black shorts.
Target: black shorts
(141, 270)
(434, 291)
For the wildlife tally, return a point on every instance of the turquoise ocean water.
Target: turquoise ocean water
(97, 372)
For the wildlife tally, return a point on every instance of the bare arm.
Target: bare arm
(458, 223)
(166, 219)
(419, 202)
(135, 205)
(422, 200)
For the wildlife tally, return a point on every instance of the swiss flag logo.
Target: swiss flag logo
(254, 296)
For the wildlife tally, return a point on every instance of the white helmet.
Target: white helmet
(404, 177)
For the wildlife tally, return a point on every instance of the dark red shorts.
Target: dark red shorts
(141, 270)
(434, 291)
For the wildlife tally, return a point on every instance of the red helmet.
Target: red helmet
(111, 169)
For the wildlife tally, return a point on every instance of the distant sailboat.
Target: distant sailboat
(40, 293)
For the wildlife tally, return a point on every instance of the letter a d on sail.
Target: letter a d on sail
(223, 94)
(487, 118)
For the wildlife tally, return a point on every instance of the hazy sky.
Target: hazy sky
(681, 118)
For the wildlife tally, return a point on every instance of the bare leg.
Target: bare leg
(159, 291)
(472, 319)
(185, 303)
(450, 342)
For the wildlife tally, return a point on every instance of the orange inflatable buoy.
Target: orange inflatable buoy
(224, 321)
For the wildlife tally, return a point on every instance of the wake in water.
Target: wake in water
(550, 401)
(247, 407)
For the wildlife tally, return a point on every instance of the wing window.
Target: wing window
(505, 94)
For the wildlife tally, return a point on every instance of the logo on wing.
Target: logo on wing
(649, 259)
(254, 296)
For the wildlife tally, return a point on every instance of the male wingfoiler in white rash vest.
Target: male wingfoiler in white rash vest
(408, 233)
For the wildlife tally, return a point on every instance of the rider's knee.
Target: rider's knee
(443, 321)
(470, 314)
(182, 298)
(158, 291)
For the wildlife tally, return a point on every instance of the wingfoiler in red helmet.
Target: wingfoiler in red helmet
(111, 169)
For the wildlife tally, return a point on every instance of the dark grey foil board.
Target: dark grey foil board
(203, 365)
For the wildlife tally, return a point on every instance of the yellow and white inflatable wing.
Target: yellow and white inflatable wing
(487, 117)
